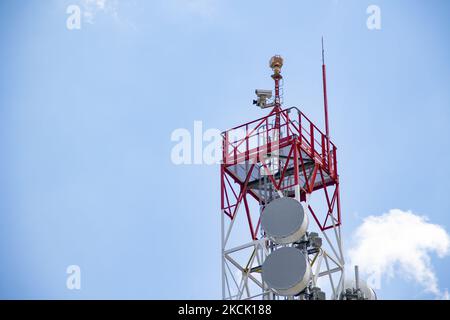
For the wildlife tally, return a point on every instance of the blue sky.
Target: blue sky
(86, 118)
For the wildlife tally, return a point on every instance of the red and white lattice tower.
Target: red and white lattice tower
(281, 155)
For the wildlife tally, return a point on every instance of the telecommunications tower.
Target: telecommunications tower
(281, 217)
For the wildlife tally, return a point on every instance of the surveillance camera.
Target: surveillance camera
(263, 96)
(264, 93)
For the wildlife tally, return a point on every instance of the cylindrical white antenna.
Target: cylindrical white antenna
(357, 277)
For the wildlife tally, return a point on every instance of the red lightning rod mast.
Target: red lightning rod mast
(325, 103)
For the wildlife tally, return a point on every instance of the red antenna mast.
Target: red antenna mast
(325, 103)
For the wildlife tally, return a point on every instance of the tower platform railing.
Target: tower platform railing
(253, 141)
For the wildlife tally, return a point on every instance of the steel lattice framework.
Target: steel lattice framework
(280, 155)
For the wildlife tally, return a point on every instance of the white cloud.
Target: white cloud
(399, 243)
(91, 8)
